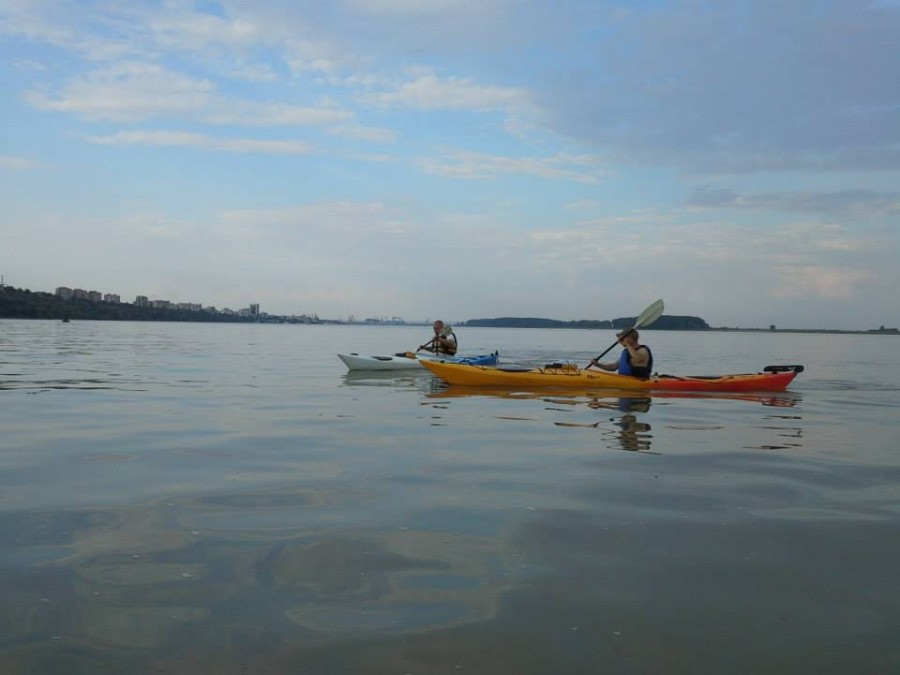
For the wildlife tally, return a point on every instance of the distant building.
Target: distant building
(254, 310)
(142, 301)
(95, 296)
(79, 294)
(160, 304)
(64, 292)
(111, 298)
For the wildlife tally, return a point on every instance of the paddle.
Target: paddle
(412, 355)
(428, 344)
(648, 316)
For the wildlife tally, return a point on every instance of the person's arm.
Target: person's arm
(610, 365)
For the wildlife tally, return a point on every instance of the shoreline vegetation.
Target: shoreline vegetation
(18, 303)
(665, 322)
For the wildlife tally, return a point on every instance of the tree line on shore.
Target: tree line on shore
(665, 322)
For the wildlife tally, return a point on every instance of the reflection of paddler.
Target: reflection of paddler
(634, 435)
(634, 404)
(625, 404)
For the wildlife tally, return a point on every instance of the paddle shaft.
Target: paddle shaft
(430, 343)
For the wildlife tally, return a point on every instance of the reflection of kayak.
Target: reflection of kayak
(773, 378)
(614, 398)
(410, 360)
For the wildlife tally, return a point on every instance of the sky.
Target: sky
(459, 159)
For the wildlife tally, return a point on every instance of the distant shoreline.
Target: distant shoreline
(18, 303)
(830, 331)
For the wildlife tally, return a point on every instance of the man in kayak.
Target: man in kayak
(636, 359)
(443, 342)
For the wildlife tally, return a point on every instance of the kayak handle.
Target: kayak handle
(783, 369)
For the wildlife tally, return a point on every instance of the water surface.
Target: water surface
(192, 498)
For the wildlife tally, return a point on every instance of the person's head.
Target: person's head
(628, 336)
(438, 327)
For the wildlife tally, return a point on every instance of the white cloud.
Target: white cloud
(193, 30)
(474, 165)
(427, 91)
(404, 7)
(133, 92)
(364, 133)
(254, 72)
(129, 92)
(29, 65)
(252, 113)
(829, 283)
(18, 163)
(336, 218)
(863, 201)
(193, 140)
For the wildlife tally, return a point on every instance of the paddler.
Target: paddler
(443, 342)
(635, 360)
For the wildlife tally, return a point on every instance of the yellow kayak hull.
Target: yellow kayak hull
(773, 378)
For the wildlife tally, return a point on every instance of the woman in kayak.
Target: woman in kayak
(636, 359)
(443, 342)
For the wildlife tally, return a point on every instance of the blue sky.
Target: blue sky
(459, 158)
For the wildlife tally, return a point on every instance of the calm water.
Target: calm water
(190, 498)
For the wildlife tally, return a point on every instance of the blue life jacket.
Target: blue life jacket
(625, 367)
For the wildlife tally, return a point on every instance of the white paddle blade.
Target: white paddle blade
(651, 314)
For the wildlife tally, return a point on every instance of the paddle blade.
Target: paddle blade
(649, 315)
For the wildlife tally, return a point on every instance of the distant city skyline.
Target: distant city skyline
(67, 292)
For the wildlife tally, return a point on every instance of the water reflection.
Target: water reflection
(627, 432)
(625, 397)
(630, 429)
(630, 434)
(383, 378)
(177, 578)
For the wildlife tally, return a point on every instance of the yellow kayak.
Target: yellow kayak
(568, 375)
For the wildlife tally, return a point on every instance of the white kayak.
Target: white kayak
(411, 361)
